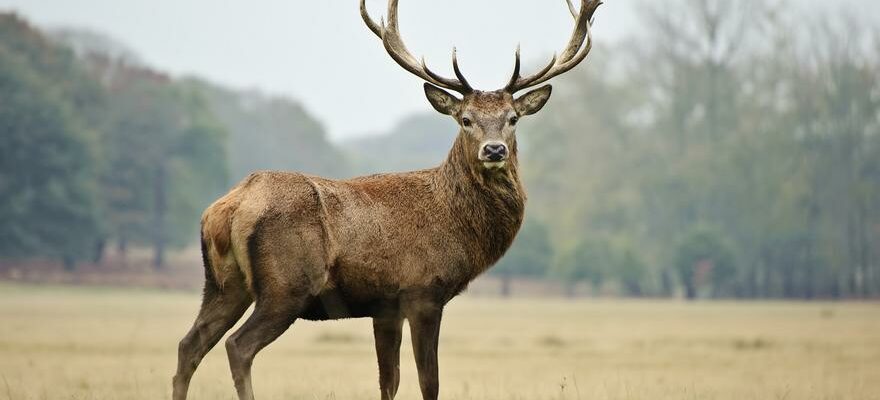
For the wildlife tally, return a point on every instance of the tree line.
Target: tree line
(727, 149)
(100, 150)
(97, 150)
(730, 149)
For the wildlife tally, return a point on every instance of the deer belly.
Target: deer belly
(335, 304)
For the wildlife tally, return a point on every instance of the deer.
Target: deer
(391, 247)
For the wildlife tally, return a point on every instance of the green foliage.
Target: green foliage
(156, 194)
(95, 149)
(770, 137)
(591, 260)
(47, 184)
(531, 252)
(530, 255)
(598, 260)
(98, 148)
(631, 271)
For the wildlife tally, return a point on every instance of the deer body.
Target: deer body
(389, 246)
(369, 240)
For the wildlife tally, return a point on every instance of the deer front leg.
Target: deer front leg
(388, 332)
(424, 326)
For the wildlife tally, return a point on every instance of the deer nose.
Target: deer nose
(495, 151)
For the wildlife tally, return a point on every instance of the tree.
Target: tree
(630, 271)
(47, 201)
(154, 195)
(704, 257)
(744, 123)
(591, 261)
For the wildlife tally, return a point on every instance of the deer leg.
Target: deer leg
(425, 329)
(388, 332)
(219, 312)
(270, 319)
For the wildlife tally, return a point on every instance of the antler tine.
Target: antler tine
(572, 8)
(376, 28)
(518, 83)
(452, 84)
(457, 70)
(581, 30)
(390, 35)
(575, 51)
(516, 67)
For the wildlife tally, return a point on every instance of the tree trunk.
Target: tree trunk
(812, 284)
(505, 284)
(809, 277)
(633, 288)
(690, 284)
(666, 282)
(159, 218)
(787, 279)
(69, 263)
(98, 256)
(569, 288)
(864, 251)
(752, 281)
(122, 250)
(690, 292)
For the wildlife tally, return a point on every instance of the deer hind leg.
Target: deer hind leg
(286, 270)
(265, 325)
(219, 312)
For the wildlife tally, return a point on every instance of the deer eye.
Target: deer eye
(514, 119)
(466, 122)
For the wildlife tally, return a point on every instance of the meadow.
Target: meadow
(96, 343)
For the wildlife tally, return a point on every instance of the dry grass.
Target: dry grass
(78, 343)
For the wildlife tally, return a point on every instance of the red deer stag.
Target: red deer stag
(389, 247)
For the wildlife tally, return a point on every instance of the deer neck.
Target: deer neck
(487, 204)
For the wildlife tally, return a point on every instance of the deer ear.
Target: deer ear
(533, 101)
(442, 101)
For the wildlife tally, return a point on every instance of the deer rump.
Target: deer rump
(355, 247)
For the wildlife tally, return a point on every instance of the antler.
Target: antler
(390, 36)
(574, 52)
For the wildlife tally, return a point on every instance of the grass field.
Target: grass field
(85, 343)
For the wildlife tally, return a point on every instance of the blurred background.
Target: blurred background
(707, 149)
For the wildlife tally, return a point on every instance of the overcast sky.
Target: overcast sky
(320, 52)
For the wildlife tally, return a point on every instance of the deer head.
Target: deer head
(488, 119)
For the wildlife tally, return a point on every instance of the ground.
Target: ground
(87, 343)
